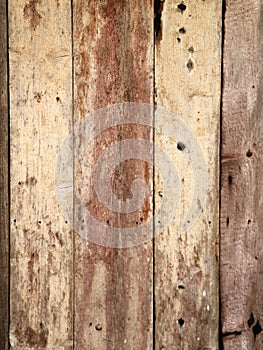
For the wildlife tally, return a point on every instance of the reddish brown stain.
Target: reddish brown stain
(37, 96)
(38, 339)
(122, 178)
(31, 13)
(115, 41)
(61, 242)
(31, 273)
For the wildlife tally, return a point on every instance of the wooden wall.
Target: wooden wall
(201, 62)
(241, 177)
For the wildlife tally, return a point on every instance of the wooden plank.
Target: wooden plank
(113, 50)
(188, 60)
(41, 116)
(242, 186)
(4, 200)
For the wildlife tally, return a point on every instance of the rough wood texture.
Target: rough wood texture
(4, 200)
(40, 113)
(242, 186)
(113, 49)
(188, 56)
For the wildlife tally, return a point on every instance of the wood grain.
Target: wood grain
(4, 182)
(113, 50)
(41, 116)
(188, 56)
(242, 186)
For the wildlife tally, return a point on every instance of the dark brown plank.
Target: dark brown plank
(242, 181)
(4, 201)
(113, 64)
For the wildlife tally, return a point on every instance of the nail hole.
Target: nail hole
(251, 320)
(256, 329)
(179, 40)
(180, 146)
(181, 322)
(249, 221)
(98, 327)
(182, 30)
(181, 286)
(249, 153)
(190, 65)
(182, 7)
(227, 221)
(230, 179)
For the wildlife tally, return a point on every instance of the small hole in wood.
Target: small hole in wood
(181, 7)
(179, 40)
(180, 146)
(190, 65)
(257, 329)
(227, 221)
(251, 320)
(249, 153)
(230, 179)
(181, 322)
(98, 327)
(181, 286)
(182, 30)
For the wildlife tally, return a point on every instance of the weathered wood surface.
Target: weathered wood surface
(4, 199)
(41, 116)
(242, 186)
(113, 51)
(188, 56)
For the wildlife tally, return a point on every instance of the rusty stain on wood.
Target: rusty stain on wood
(4, 187)
(31, 13)
(241, 177)
(113, 308)
(188, 59)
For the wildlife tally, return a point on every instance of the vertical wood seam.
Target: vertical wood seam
(4, 181)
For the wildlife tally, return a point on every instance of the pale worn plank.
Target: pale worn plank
(40, 113)
(242, 186)
(188, 60)
(4, 199)
(113, 49)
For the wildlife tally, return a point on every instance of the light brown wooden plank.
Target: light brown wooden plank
(242, 186)
(113, 49)
(41, 116)
(188, 60)
(4, 200)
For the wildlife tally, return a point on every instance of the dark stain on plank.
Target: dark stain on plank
(31, 13)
